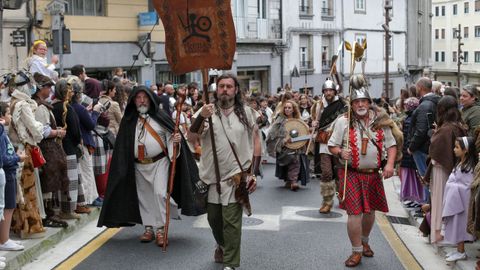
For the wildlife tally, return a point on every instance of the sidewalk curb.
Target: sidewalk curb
(468, 264)
(35, 247)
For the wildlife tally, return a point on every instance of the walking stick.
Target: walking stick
(173, 164)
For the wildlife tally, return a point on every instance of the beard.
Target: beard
(226, 101)
(142, 109)
(361, 112)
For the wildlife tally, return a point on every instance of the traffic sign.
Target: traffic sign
(57, 7)
(19, 38)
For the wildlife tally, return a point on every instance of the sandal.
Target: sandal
(354, 259)
(50, 222)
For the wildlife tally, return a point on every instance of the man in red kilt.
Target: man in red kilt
(364, 193)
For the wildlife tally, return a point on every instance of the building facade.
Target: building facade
(313, 31)
(448, 16)
(363, 20)
(257, 62)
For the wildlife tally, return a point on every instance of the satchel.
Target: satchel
(109, 138)
(323, 136)
(200, 194)
(37, 157)
(241, 191)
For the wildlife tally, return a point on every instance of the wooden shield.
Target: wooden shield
(298, 132)
(198, 34)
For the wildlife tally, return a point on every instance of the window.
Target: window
(465, 57)
(477, 57)
(443, 56)
(454, 56)
(437, 11)
(305, 7)
(437, 33)
(477, 5)
(305, 53)
(465, 7)
(443, 10)
(327, 8)
(85, 7)
(360, 6)
(465, 32)
(477, 31)
(436, 57)
(455, 9)
(443, 33)
(454, 31)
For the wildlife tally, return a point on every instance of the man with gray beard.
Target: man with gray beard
(364, 151)
(137, 184)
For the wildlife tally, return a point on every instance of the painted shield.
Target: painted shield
(198, 34)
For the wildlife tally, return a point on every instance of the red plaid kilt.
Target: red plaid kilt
(365, 193)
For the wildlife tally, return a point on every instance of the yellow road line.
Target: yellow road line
(87, 250)
(402, 252)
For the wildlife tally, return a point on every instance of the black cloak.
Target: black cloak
(120, 205)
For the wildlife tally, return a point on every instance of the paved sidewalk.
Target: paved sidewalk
(429, 256)
(35, 247)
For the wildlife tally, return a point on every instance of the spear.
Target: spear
(357, 52)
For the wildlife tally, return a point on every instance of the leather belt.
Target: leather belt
(367, 170)
(151, 160)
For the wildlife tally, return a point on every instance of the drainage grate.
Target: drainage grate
(316, 214)
(399, 220)
(248, 221)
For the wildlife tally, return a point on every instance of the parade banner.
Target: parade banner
(198, 34)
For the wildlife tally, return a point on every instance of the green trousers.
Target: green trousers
(226, 224)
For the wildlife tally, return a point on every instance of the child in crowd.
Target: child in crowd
(457, 197)
(10, 161)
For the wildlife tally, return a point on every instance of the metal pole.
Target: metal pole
(387, 38)
(459, 62)
(1, 23)
(60, 48)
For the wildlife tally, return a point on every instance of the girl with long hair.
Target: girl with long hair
(457, 197)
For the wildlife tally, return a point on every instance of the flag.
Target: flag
(198, 34)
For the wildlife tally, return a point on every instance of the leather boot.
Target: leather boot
(325, 209)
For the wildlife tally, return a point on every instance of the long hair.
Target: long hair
(447, 111)
(239, 109)
(471, 157)
(296, 110)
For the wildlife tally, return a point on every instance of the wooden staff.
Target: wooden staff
(173, 164)
(210, 128)
(352, 68)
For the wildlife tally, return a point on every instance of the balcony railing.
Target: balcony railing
(306, 64)
(326, 65)
(327, 12)
(304, 10)
(256, 28)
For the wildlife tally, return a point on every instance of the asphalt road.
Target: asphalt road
(285, 232)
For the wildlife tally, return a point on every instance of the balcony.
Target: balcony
(305, 65)
(327, 14)
(253, 28)
(326, 65)
(305, 12)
